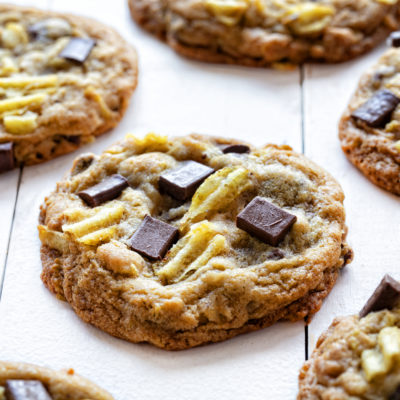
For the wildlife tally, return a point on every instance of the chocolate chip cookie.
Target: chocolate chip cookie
(64, 80)
(358, 356)
(189, 240)
(19, 381)
(265, 32)
(369, 130)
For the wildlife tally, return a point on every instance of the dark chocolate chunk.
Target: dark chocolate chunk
(394, 39)
(386, 295)
(395, 395)
(73, 139)
(104, 191)
(153, 238)
(182, 182)
(265, 221)
(25, 390)
(6, 156)
(376, 112)
(78, 49)
(234, 148)
(276, 255)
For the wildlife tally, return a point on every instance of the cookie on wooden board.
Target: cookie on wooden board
(189, 240)
(20, 381)
(64, 80)
(369, 130)
(266, 32)
(358, 356)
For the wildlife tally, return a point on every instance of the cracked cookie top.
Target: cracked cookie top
(190, 234)
(63, 80)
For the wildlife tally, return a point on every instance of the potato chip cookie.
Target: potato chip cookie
(189, 240)
(369, 130)
(19, 381)
(358, 357)
(268, 32)
(64, 80)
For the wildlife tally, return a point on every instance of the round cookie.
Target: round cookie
(57, 385)
(64, 80)
(369, 130)
(358, 356)
(143, 252)
(265, 32)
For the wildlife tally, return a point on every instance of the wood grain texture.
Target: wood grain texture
(175, 96)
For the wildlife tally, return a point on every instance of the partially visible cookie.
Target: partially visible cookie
(190, 240)
(20, 381)
(64, 80)
(369, 130)
(358, 357)
(265, 32)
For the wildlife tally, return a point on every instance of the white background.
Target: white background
(176, 96)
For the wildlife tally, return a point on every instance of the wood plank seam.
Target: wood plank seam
(2, 278)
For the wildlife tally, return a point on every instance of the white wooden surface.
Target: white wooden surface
(177, 96)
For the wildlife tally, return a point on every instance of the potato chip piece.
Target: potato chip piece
(20, 124)
(215, 194)
(22, 101)
(29, 82)
(53, 239)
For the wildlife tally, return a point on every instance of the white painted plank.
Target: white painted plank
(175, 96)
(372, 214)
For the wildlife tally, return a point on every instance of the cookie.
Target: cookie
(19, 381)
(184, 241)
(369, 130)
(265, 32)
(358, 356)
(64, 80)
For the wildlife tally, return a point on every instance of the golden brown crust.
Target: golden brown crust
(247, 291)
(355, 30)
(61, 385)
(373, 151)
(74, 118)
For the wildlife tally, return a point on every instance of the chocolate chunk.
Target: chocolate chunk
(386, 295)
(104, 191)
(234, 148)
(73, 139)
(26, 390)
(50, 28)
(265, 221)
(6, 156)
(275, 255)
(153, 238)
(394, 39)
(395, 395)
(376, 112)
(78, 49)
(182, 182)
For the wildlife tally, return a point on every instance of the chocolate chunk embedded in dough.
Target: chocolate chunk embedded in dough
(386, 295)
(153, 238)
(182, 182)
(394, 39)
(26, 390)
(265, 221)
(104, 191)
(78, 49)
(6, 156)
(377, 110)
(234, 148)
(395, 395)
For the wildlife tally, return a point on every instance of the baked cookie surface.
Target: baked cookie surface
(369, 130)
(64, 80)
(358, 356)
(264, 32)
(140, 250)
(19, 379)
